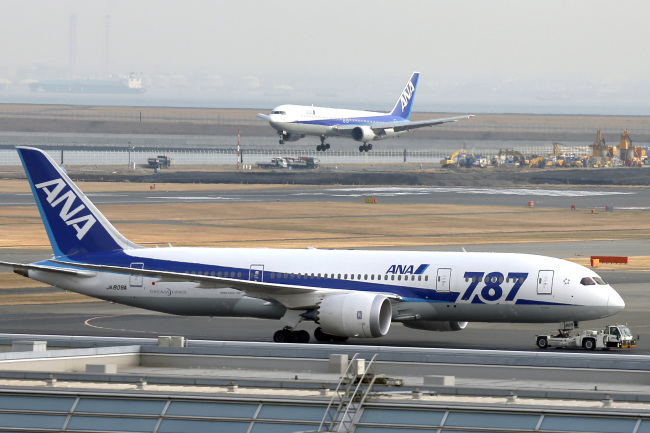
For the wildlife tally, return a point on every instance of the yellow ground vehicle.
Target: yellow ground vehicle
(453, 160)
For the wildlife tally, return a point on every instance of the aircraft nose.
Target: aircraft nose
(615, 303)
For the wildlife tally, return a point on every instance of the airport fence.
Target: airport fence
(252, 157)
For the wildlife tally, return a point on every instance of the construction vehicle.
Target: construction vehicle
(541, 162)
(160, 161)
(454, 159)
(304, 162)
(599, 147)
(479, 161)
(510, 157)
(613, 336)
(291, 163)
(277, 162)
(632, 156)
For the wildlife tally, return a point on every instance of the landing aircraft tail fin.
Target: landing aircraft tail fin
(73, 224)
(405, 101)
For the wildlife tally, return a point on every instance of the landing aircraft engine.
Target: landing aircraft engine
(291, 137)
(363, 133)
(433, 325)
(362, 315)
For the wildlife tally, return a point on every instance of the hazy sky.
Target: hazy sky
(465, 49)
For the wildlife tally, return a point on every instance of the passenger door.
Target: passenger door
(545, 283)
(256, 273)
(136, 280)
(443, 280)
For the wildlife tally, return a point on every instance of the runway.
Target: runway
(582, 197)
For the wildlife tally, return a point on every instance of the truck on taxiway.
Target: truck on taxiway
(611, 337)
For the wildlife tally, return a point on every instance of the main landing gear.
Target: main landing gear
(322, 147)
(288, 335)
(365, 147)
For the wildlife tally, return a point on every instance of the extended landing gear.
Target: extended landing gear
(323, 337)
(365, 147)
(322, 147)
(287, 335)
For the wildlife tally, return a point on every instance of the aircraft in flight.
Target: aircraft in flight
(347, 293)
(294, 122)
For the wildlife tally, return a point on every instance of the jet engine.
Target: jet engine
(363, 315)
(291, 137)
(363, 133)
(433, 325)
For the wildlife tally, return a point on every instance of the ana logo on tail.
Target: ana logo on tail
(406, 94)
(55, 197)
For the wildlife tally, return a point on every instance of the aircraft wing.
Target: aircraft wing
(22, 269)
(378, 128)
(263, 116)
(255, 289)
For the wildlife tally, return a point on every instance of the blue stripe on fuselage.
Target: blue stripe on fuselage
(352, 121)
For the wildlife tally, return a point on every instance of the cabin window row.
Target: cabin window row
(365, 277)
(313, 276)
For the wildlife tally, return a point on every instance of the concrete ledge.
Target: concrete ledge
(440, 380)
(28, 346)
(101, 368)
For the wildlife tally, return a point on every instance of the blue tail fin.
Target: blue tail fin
(73, 224)
(405, 101)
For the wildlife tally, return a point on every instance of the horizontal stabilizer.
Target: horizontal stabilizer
(22, 269)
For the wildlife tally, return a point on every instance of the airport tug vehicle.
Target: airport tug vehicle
(612, 337)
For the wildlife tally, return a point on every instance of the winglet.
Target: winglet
(73, 224)
(405, 101)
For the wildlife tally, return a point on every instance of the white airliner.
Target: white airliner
(347, 293)
(294, 122)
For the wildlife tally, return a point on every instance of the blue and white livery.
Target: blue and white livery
(348, 293)
(294, 122)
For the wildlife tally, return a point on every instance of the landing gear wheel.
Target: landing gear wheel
(369, 146)
(301, 336)
(283, 336)
(327, 146)
(319, 335)
(365, 147)
(281, 141)
(319, 148)
(542, 342)
(360, 148)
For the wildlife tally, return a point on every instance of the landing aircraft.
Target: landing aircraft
(294, 122)
(347, 293)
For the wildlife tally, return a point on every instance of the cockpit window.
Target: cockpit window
(587, 281)
(278, 112)
(600, 281)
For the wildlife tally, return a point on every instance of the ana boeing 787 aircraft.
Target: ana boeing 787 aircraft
(347, 293)
(294, 122)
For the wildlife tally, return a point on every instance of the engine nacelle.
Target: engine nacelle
(433, 325)
(363, 133)
(362, 315)
(291, 137)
